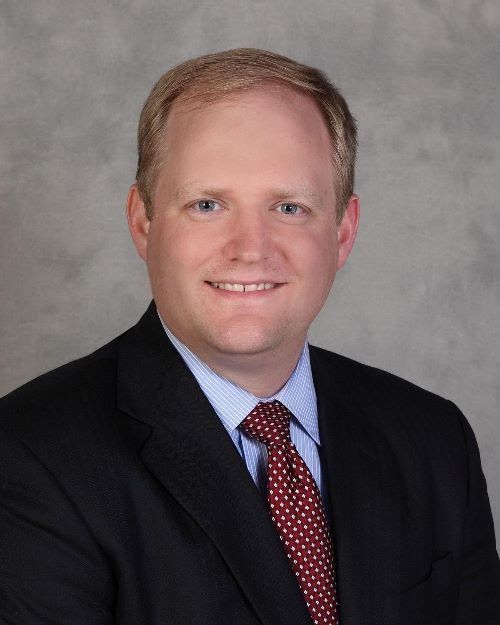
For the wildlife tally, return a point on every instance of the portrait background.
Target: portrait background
(420, 294)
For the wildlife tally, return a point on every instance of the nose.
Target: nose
(248, 237)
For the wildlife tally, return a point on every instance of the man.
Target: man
(208, 466)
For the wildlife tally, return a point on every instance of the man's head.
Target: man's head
(215, 77)
(242, 237)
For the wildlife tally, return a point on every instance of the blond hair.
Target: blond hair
(213, 77)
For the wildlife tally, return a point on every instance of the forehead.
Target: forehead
(257, 105)
(273, 137)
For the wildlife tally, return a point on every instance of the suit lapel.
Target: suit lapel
(192, 455)
(362, 480)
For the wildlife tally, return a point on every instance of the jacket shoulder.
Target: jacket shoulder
(349, 369)
(80, 389)
(378, 391)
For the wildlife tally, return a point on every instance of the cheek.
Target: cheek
(317, 256)
(176, 253)
(318, 265)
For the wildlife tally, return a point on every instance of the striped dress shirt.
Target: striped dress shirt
(233, 403)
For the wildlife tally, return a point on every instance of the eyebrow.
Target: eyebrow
(195, 189)
(300, 192)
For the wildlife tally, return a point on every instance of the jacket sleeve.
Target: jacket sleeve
(479, 595)
(51, 567)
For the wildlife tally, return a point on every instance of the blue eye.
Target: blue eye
(206, 206)
(289, 209)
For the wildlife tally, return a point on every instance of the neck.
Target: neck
(261, 375)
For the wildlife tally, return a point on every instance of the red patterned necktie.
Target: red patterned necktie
(297, 511)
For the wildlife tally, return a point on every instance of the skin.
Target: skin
(245, 195)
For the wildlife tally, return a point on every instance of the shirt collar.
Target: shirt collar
(233, 403)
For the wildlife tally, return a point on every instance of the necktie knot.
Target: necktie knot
(269, 422)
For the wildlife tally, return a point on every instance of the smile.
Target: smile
(244, 288)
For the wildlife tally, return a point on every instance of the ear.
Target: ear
(138, 221)
(347, 230)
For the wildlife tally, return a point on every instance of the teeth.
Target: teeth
(228, 286)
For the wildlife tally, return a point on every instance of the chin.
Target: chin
(245, 340)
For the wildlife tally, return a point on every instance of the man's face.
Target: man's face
(243, 245)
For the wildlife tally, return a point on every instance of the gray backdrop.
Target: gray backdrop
(419, 296)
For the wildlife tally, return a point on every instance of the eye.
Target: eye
(206, 206)
(288, 208)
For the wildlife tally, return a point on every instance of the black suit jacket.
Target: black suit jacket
(124, 501)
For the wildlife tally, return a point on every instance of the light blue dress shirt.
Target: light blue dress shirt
(233, 403)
